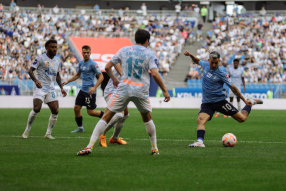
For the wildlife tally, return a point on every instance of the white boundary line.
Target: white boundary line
(177, 140)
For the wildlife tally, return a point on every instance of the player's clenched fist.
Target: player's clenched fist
(64, 92)
(167, 96)
(38, 84)
(186, 53)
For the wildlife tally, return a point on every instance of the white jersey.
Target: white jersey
(236, 75)
(109, 89)
(46, 71)
(136, 61)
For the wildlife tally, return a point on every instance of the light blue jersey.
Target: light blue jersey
(136, 61)
(46, 71)
(88, 70)
(224, 70)
(212, 84)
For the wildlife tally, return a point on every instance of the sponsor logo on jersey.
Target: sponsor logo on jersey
(47, 63)
(130, 82)
(227, 75)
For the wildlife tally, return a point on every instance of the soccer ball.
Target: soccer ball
(229, 140)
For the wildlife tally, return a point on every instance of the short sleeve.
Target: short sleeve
(35, 63)
(153, 63)
(225, 78)
(203, 64)
(117, 57)
(96, 69)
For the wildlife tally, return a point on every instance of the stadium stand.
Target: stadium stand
(259, 43)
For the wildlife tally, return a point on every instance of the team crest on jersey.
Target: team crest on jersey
(35, 62)
(96, 65)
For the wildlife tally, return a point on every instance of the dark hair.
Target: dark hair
(49, 42)
(86, 47)
(214, 55)
(236, 60)
(141, 36)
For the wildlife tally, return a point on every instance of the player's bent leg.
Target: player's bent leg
(98, 130)
(78, 119)
(54, 107)
(95, 113)
(238, 104)
(240, 116)
(37, 105)
(202, 119)
(117, 129)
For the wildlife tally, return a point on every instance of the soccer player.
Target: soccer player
(118, 119)
(87, 95)
(133, 85)
(236, 76)
(214, 98)
(47, 68)
(224, 88)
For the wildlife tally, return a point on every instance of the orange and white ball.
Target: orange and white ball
(229, 140)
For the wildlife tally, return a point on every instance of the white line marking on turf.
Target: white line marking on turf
(178, 140)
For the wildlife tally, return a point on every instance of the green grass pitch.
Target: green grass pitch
(257, 162)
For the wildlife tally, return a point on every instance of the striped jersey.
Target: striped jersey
(136, 61)
(46, 71)
(212, 83)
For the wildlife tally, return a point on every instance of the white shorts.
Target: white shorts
(107, 97)
(46, 97)
(231, 94)
(118, 103)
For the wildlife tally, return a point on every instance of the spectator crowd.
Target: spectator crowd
(259, 42)
(23, 34)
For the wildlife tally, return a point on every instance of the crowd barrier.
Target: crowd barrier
(175, 103)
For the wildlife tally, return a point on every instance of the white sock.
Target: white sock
(238, 106)
(52, 122)
(98, 130)
(151, 130)
(118, 126)
(31, 119)
(112, 122)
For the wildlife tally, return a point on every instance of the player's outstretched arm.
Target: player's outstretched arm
(108, 69)
(194, 58)
(59, 81)
(32, 76)
(236, 92)
(99, 81)
(156, 76)
(75, 77)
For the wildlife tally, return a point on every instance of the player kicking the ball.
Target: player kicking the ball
(133, 85)
(87, 95)
(118, 119)
(214, 98)
(48, 67)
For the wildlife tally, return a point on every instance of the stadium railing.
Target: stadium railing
(107, 12)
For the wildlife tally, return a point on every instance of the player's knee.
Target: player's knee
(37, 109)
(76, 108)
(55, 111)
(200, 121)
(241, 120)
